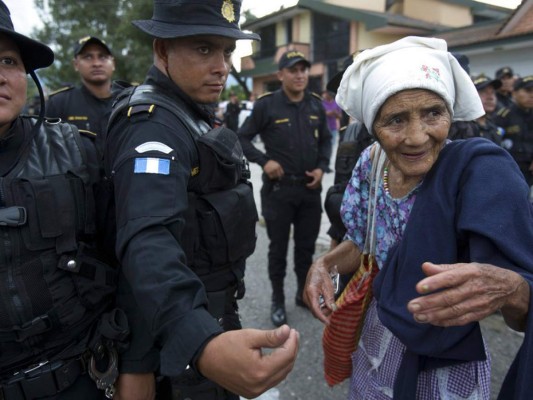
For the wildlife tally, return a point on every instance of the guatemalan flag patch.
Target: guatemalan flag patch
(151, 165)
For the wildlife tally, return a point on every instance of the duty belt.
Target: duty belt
(42, 380)
(294, 180)
(222, 301)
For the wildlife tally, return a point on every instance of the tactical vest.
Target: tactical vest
(354, 139)
(220, 220)
(53, 284)
(518, 137)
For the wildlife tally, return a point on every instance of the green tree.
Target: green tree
(67, 21)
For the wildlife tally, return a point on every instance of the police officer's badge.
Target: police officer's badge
(227, 11)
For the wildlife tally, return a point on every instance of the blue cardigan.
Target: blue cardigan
(472, 206)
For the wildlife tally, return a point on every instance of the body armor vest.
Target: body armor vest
(53, 284)
(220, 223)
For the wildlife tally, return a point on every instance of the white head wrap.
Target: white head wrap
(409, 63)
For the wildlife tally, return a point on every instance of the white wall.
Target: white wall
(519, 59)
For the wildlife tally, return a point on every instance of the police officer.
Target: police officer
(88, 105)
(517, 122)
(486, 89)
(292, 125)
(463, 129)
(353, 139)
(55, 288)
(231, 115)
(182, 203)
(505, 93)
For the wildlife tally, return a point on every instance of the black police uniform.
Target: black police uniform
(55, 286)
(490, 131)
(470, 129)
(296, 136)
(463, 130)
(503, 100)
(518, 137)
(186, 293)
(354, 139)
(78, 106)
(231, 116)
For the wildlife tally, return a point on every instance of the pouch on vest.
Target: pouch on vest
(226, 221)
(221, 161)
(225, 211)
(94, 278)
(56, 211)
(355, 139)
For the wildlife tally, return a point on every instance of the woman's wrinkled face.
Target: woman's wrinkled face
(13, 83)
(412, 127)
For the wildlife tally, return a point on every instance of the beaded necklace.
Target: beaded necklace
(386, 180)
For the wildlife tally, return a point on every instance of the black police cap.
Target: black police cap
(84, 41)
(335, 81)
(181, 18)
(464, 61)
(292, 57)
(524, 82)
(34, 54)
(500, 73)
(482, 81)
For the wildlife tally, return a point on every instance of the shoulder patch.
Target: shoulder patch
(316, 95)
(153, 146)
(512, 130)
(503, 112)
(264, 95)
(63, 89)
(151, 165)
(87, 133)
(141, 108)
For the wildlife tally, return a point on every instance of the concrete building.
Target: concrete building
(328, 31)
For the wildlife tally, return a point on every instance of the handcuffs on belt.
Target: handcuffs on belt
(105, 380)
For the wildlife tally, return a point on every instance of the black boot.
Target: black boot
(299, 299)
(277, 311)
(278, 315)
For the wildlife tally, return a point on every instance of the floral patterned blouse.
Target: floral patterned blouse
(379, 353)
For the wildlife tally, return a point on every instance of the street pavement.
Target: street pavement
(306, 381)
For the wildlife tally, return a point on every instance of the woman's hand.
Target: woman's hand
(318, 283)
(457, 294)
(345, 257)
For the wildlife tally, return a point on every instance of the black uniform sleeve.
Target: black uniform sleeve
(53, 107)
(253, 126)
(92, 156)
(324, 142)
(150, 186)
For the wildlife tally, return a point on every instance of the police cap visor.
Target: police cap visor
(34, 54)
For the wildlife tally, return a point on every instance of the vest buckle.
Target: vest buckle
(12, 216)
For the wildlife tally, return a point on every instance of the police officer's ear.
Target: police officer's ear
(75, 63)
(112, 60)
(160, 47)
(280, 75)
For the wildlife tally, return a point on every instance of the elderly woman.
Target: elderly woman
(446, 214)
